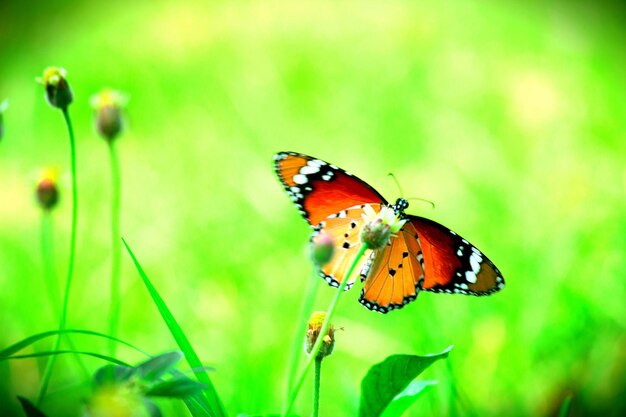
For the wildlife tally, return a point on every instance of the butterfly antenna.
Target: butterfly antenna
(397, 183)
(422, 199)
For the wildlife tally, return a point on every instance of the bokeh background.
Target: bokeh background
(510, 116)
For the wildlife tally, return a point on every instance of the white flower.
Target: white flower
(379, 226)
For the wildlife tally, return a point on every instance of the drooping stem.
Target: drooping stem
(323, 330)
(70, 268)
(116, 246)
(305, 312)
(316, 386)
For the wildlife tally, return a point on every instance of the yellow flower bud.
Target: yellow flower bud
(58, 92)
(313, 331)
(47, 191)
(108, 105)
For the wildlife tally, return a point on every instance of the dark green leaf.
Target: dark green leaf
(155, 368)
(29, 409)
(176, 388)
(403, 401)
(564, 410)
(385, 380)
(113, 374)
(210, 399)
(153, 409)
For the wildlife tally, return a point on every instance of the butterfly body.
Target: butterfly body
(423, 255)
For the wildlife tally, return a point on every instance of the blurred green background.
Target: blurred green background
(510, 116)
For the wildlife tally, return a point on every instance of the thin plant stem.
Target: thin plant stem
(305, 312)
(316, 386)
(47, 257)
(323, 330)
(70, 268)
(116, 246)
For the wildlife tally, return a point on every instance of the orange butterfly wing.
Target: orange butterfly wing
(395, 274)
(319, 189)
(452, 264)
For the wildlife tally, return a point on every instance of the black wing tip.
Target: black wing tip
(333, 282)
(386, 309)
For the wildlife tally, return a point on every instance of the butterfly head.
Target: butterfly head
(400, 206)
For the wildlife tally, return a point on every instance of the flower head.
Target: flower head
(322, 248)
(380, 226)
(115, 400)
(47, 190)
(58, 92)
(108, 104)
(313, 331)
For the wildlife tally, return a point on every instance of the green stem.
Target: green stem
(47, 257)
(316, 386)
(305, 312)
(70, 268)
(116, 246)
(323, 330)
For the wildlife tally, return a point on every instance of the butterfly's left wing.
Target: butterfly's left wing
(319, 189)
(451, 263)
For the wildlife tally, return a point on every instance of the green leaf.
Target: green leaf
(385, 380)
(24, 343)
(176, 388)
(155, 368)
(152, 408)
(403, 401)
(211, 399)
(564, 410)
(65, 352)
(113, 374)
(29, 409)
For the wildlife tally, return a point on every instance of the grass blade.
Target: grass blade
(54, 353)
(24, 343)
(214, 402)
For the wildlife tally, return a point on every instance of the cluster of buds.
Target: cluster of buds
(108, 105)
(313, 332)
(379, 227)
(47, 191)
(58, 92)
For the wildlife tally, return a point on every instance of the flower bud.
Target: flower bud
(322, 248)
(313, 331)
(379, 227)
(108, 105)
(47, 191)
(58, 92)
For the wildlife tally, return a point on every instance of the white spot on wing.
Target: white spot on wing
(470, 276)
(308, 170)
(300, 179)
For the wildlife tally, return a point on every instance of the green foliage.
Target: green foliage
(209, 398)
(406, 398)
(29, 408)
(387, 381)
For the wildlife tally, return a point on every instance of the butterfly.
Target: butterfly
(423, 255)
